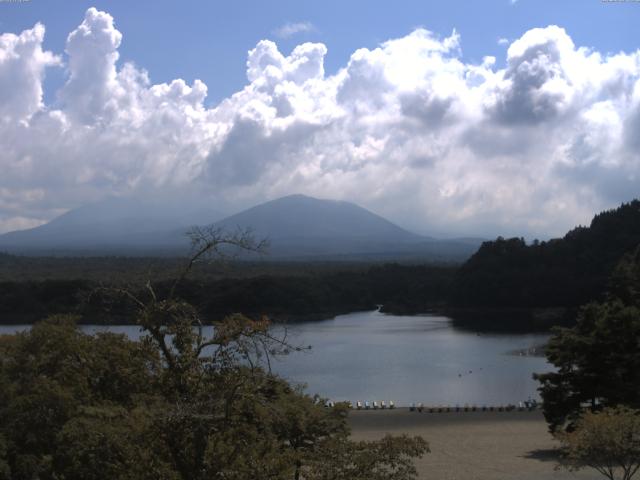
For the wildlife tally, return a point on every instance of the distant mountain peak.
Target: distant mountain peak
(302, 216)
(298, 226)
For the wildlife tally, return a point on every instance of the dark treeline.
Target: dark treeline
(546, 281)
(507, 284)
(292, 296)
(129, 270)
(562, 272)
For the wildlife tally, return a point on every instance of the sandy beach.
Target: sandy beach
(473, 445)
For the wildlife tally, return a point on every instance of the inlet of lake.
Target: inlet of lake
(423, 358)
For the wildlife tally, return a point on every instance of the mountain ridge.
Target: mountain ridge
(298, 227)
(268, 217)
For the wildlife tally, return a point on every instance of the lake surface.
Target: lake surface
(373, 356)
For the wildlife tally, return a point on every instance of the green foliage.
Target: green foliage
(76, 406)
(624, 283)
(565, 272)
(175, 405)
(598, 363)
(5, 471)
(607, 441)
(110, 442)
(598, 360)
(390, 458)
(35, 299)
(284, 292)
(53, 372)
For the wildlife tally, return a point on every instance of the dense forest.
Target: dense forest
(285, 293)
(506, 284)
(536, 285)
(562, 272)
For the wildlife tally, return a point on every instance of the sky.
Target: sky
(450, 118)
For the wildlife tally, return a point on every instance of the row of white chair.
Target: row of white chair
(374, 405)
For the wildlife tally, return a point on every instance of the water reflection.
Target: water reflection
(369, 355)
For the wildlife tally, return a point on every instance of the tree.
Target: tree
(564, 272)
(624, 283)
(607, 441)
(388, 459)
(111, 442)
(597, 361)
(5, 472)
(228, 416)
(51, 375)
(177, 404)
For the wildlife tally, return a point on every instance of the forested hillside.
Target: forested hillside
(563, 272)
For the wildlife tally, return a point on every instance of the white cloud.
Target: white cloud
(503, 41)
(407, 129)
(289, 29)
(92, 88)
(22, 66)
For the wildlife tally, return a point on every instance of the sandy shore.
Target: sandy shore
(473, 445)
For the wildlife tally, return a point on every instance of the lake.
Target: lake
(374, 356)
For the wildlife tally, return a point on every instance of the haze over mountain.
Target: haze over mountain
(297, 227)
(114, 225)
(301, 216)
(302, 226)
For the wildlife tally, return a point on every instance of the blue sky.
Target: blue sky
(209, 39)
(453, 118)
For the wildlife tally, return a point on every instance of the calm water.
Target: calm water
(372, 356)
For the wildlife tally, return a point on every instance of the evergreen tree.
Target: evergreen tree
(598, 360)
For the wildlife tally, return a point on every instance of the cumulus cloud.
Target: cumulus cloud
(408, 129)
(289, 29)
(92, 87)
(22, 66)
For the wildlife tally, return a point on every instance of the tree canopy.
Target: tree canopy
(563, 272)
(176, 404)
(598, 360)
(607, 441)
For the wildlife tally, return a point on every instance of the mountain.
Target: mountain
(113, 226)
(302, 217)
(298, 228)
(563, 272)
